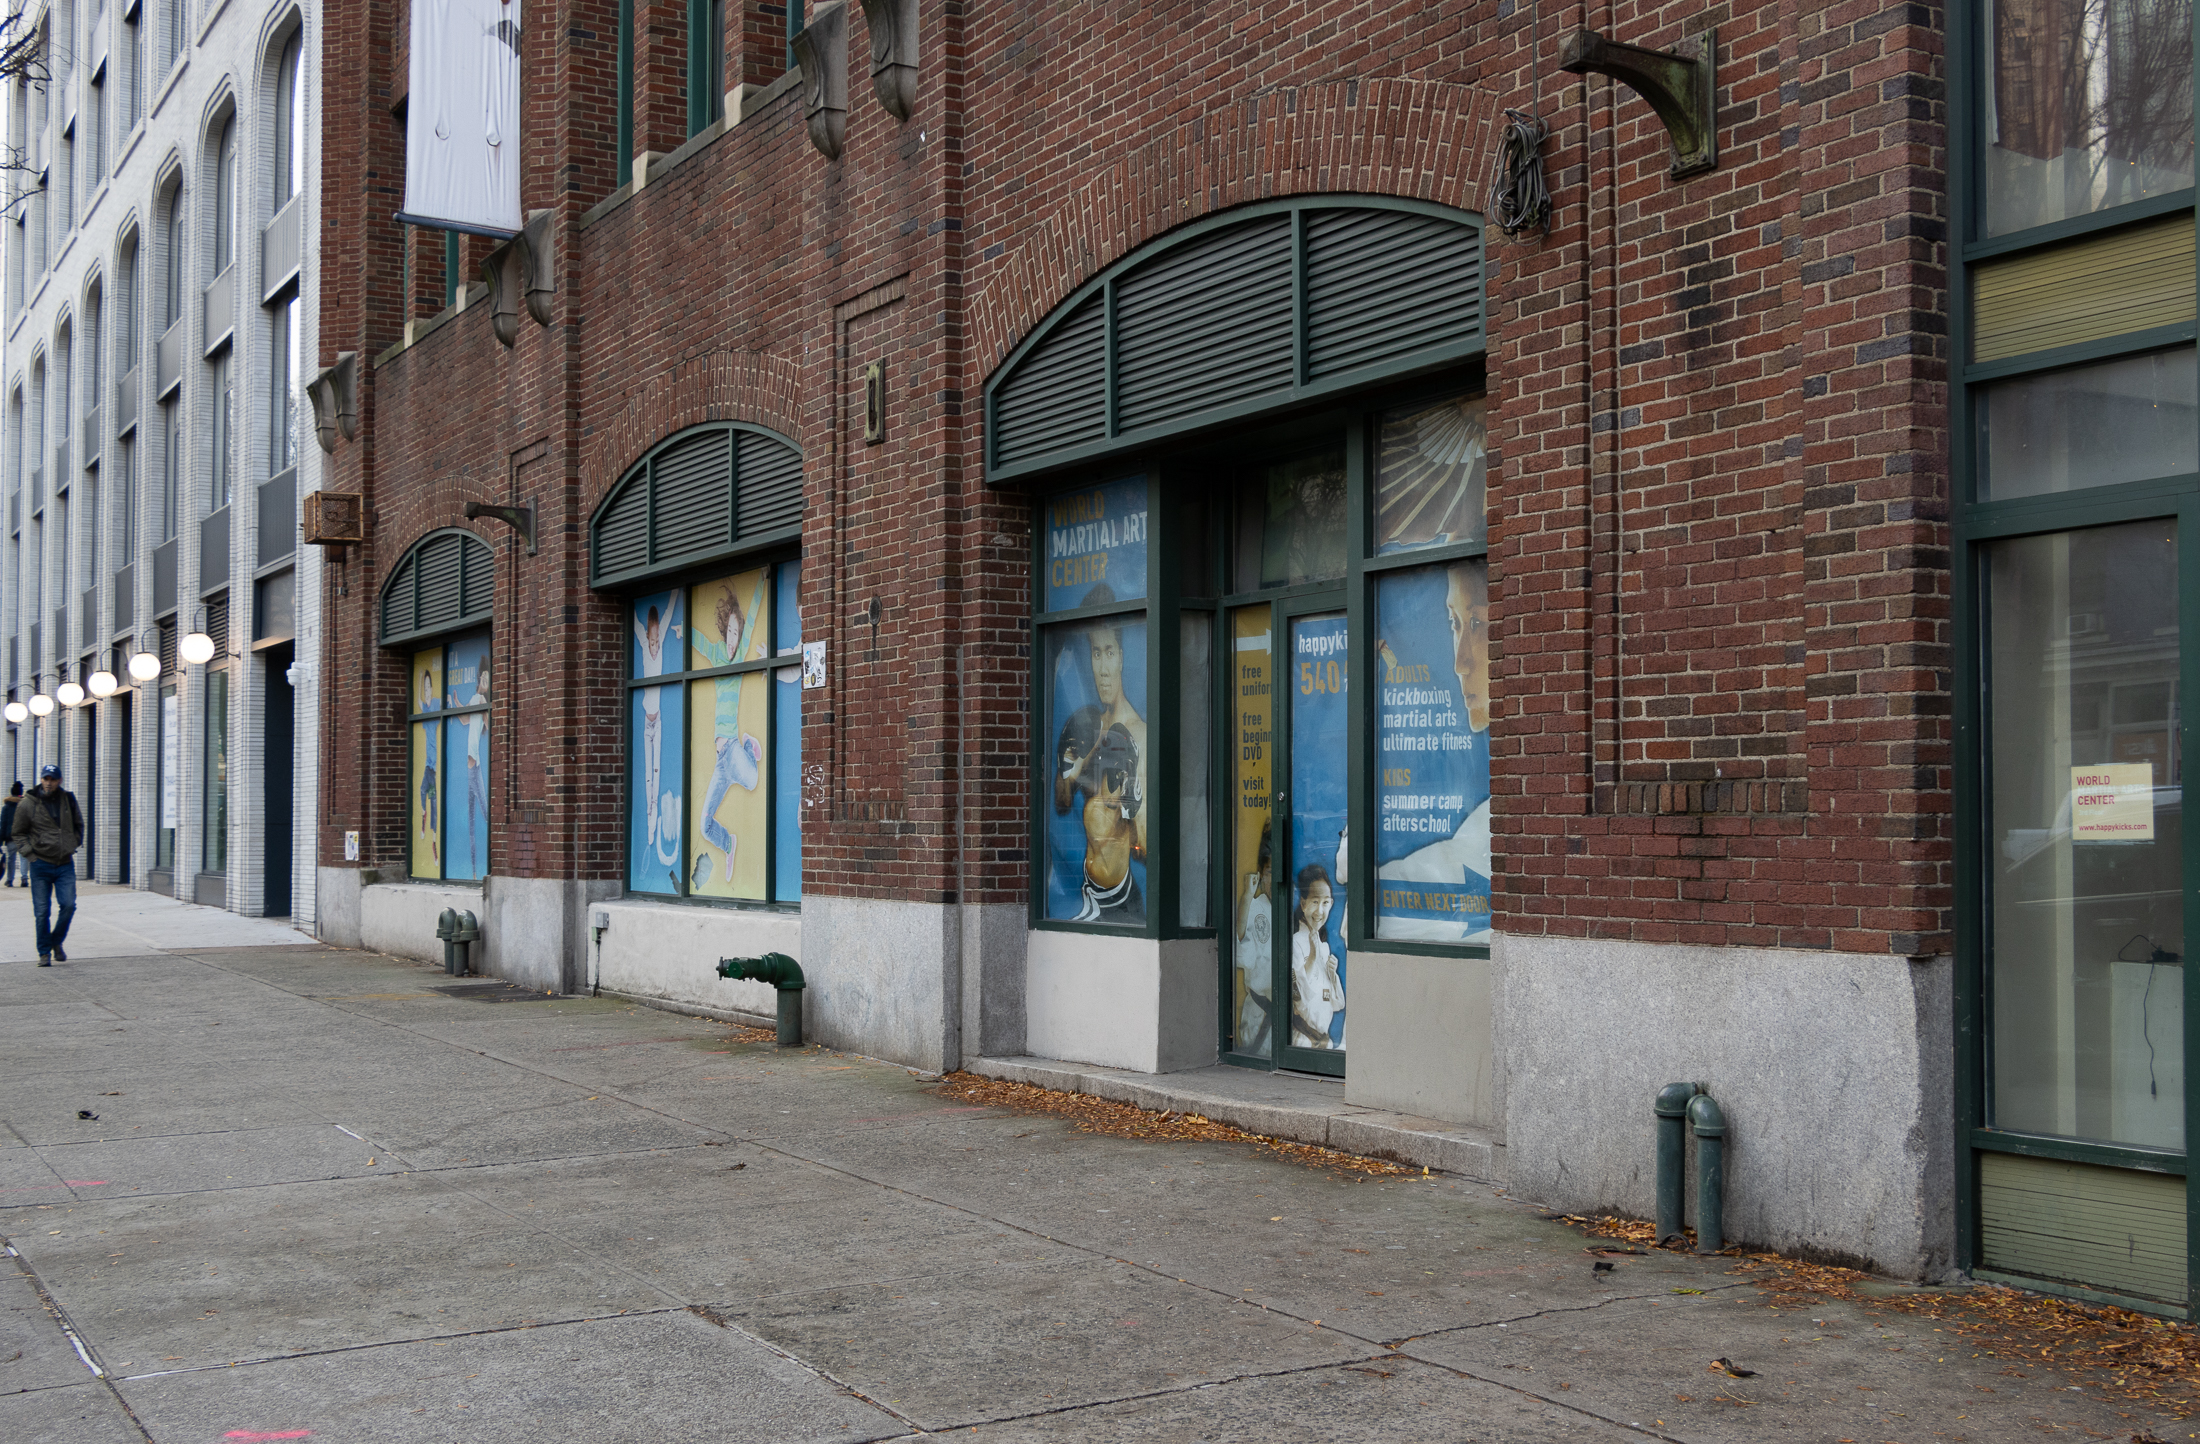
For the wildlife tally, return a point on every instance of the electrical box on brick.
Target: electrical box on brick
(333, 518)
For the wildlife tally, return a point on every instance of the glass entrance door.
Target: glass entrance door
(1286, 833)
(2087, 896)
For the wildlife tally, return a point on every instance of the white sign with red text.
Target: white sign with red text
(2112, 802)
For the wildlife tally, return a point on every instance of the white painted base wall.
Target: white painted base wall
(1121, 1002)
(1835, 1072)
(670, 951)
(399, 918)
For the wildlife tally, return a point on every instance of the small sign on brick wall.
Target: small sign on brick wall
(813, 665)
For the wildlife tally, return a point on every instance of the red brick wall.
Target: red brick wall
(1718, 570)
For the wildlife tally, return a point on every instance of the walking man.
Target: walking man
(50, 826)
(8, 856)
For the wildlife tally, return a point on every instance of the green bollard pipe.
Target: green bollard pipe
(783, 973)
(446, 928)
(1672, 1110)
(1710, 1126)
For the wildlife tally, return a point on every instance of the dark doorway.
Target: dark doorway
(276, 769)
(125, 719)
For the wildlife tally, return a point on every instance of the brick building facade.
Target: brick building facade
(1710, 410)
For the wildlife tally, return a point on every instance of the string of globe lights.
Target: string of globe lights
(196, 648)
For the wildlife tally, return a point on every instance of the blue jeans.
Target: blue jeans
(51, 881)
(9, 858)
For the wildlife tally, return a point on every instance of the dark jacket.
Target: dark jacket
(7, 821)
(49, 827)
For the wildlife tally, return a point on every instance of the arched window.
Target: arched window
(290, 122)
(699, 537)
(435, 609)
(225, 196)
(172, 300)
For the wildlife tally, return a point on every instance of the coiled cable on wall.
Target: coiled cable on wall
(1518, 198)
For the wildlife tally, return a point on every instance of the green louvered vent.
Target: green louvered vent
(771, 485)
(1274, 307)
(1357, 313)
(217, 624)
(1059, 397)
(1169, 313)
(622, 531)
(167, 649)
(477, 580)
(444, 582)
(676, 507)
(694, 478)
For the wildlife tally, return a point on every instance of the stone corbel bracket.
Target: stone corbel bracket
(334, 392)
(893, 26)
(822, 51)
(523, 269)
(1681, 84)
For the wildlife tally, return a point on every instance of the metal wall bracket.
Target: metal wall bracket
(1681, 84)
(821, 49)
(334, 393)
(519, 518)
(893, 26)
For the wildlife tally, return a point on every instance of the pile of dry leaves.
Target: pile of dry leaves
(2135, 1356)
(1125, 1120)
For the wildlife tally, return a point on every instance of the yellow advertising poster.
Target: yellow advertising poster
(1252, 686)
(2112, 802)
(729, 621)
(424, 798)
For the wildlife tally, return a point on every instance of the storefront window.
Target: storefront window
(2086, 828)
(1293, 561)
(1432, 753)
(714, 765)
(447, 799)
(2130, 419)
(215, 856)
(171, 780)
(2087, 105)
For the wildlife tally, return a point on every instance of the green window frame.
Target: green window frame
(1980, 521)
(713, 855)
(441, 729)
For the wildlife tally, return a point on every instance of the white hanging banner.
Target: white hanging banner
(462, 117)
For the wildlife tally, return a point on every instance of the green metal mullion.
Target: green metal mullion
(1969, 983)
(1080, 614)
(1107, 359)
(2077, 1150)
(2056, 232)
(1299, 346)
(1279, 818)
(1164, 722)
(625, 172)
(2063, 510)
(2128, 343)
(2188, 699)
(795, 24)
(1425, 557)
(1043, 763)
(451, 283)
(1359, 921)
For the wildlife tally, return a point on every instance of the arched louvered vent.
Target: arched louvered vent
(704, 494)
(1264, 308)
(447, 580)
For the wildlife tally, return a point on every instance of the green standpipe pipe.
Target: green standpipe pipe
(783, 973)
(1710, 1126)
(1672, 1111)
(465, 935)
(446, 928)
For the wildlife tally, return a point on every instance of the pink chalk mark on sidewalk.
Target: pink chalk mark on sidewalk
(256, 1434)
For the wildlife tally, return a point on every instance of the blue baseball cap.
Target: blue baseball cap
(49, 770)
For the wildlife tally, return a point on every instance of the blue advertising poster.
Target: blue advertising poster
(1432, 754)
(658, 631)
(1316, 679)
(1096, 545)
(787, 740)
(1094, 795)
(653, 820)
(466, 676)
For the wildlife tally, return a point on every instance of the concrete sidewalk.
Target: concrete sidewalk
(121, 922)
(291, 1192)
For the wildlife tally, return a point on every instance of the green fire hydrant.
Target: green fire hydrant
(783, 973)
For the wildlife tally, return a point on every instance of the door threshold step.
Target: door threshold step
(1296, 1107)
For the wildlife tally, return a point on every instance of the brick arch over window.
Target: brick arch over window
(1416, 139)
(723, 386)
